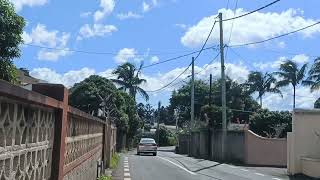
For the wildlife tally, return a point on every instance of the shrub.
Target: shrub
(104, 178)
(114, 161)
(271, 123)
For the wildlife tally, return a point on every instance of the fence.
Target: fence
(241, 147)
(42, 137)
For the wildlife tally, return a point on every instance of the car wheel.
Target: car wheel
(138, 153)
(154, 154)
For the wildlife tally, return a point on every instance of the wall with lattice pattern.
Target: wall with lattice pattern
(86, 170)
(26, 140)
(83, 137)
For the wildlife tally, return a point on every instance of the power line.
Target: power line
(276, 37)
(251, 12)
(199, 52)
(206, 41)
(95, 52)
(178, 57)
(185, 70)
(207, 65)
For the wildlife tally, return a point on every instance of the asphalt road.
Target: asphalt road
(170, 166)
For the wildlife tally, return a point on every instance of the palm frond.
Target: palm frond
(143, 93)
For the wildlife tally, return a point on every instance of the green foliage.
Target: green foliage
(8, 71)
(261, 83)
(313, 79)
(97, 93)
(11, 29)
(237, 98)
(317, 103)
(104, 178)
(145, 113)
(290, 74)
(165, 137)
(271, 123)
(213, 116)
(129, 81)
(114, 161)
(147, 127)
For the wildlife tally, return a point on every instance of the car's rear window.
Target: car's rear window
(147, 141)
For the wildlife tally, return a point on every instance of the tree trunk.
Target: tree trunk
(294, 97)
(260, 101)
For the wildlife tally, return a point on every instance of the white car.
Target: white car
(147, 145)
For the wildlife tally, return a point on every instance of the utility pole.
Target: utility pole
(192, 94)
(210, 91)
(223, 91)
(158, 124)
(192, 106)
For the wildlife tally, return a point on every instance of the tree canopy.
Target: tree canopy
(128, 79)
(11, 29)
(237, 99)
(96, 93)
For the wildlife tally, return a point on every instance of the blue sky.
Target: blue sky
(155, 30)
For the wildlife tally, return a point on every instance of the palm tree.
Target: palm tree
(261, 83)
(129, 81)
(313, 79)
(291, 74)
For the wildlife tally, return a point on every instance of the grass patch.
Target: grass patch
(114, 161)
(104, 178)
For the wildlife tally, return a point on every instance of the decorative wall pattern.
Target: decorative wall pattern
(83, 135)
(85, 171)
(26, 140)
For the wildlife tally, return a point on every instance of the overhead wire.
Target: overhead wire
(251, 12)
(276, 37)
(96, 52)
(199, 52)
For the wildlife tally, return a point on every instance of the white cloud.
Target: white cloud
(145, 7)
(87, 31)
(128, 15)
(85, 14)
(154, 59)
(235, 71)
(67, 79)
(304, 99)
(238, 72)
(182, 26)
(31, 3)
(52, 39)
(107, 8)
(281, 44)
(125, 54)
(254, 27)
(301, 58)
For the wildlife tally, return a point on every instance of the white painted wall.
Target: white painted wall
(303, 142)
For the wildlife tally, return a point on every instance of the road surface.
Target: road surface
(170, 166)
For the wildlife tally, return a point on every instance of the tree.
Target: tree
(317, 104)
(237, 99)
(271, 123)
(313, 79)
(129, 81)
(11, 29)
(290, 73)
(261, 83)
(90, 94)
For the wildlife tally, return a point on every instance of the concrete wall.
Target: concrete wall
(303, 142)
(234, 146)
(183, 143)
(265, 151)
(66, 142)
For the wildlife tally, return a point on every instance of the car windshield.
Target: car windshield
(147, 141)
